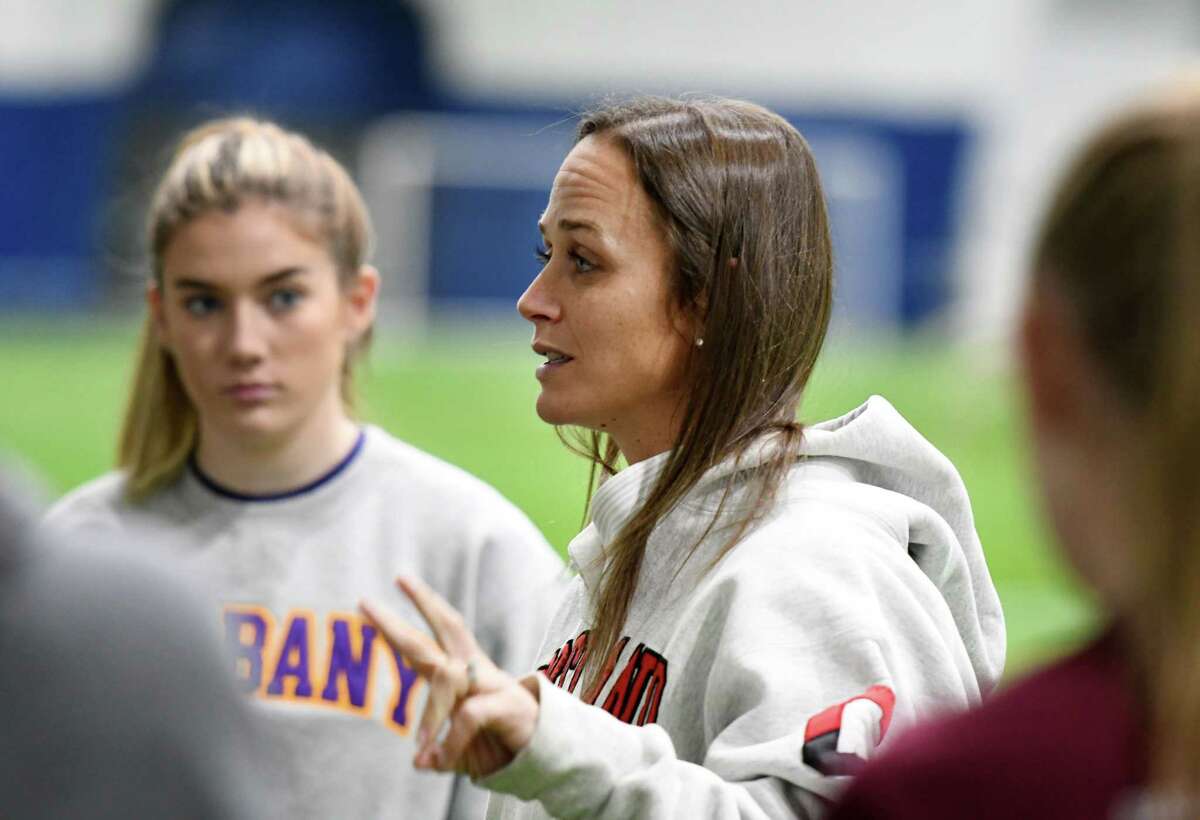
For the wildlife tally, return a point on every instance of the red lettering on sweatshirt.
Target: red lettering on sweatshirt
(638, 691)
(578, 656)
(641, 684)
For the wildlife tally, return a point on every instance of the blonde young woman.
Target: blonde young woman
(1110, 354)
(757, 602)
(240, 452)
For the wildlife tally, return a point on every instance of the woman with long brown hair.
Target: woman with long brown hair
(757, 601)
(1110, 354)
(241, 452)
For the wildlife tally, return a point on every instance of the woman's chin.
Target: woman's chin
(546, 412)
(251, 430)
(555, 412)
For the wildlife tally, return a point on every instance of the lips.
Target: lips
(251, 392)
(555, 359)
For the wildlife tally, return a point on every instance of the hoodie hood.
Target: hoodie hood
(852, 458)
(877, 447)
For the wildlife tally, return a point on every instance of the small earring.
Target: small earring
(699, 342)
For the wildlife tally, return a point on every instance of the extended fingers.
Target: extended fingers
(454, 667)
(445, 621)
(417, 647)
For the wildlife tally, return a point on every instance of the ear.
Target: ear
(361, 296)
(1055, 364)
(688, 320)
(154, 305)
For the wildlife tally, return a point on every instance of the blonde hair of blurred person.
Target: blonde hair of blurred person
(1110, 353)
(1112, 359)
(218, 168)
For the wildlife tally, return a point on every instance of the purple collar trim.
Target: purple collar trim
(321, 480)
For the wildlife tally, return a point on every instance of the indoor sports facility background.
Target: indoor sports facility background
(937, 124)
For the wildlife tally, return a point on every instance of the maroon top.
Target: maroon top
(1065, 743)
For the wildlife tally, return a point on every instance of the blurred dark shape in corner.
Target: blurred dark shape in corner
(111, 701)
(306, 60)
(326, 69)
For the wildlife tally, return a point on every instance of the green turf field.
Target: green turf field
(467, 395)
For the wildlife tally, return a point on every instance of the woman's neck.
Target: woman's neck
(650, 431)
(637, 448)
(262, 465)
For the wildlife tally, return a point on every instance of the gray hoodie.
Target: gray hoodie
(751, 687)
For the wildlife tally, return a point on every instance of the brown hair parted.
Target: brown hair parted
(220, 165)
(1120, 243)
(741, 206)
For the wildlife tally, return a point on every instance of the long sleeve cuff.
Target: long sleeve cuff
(576, 754)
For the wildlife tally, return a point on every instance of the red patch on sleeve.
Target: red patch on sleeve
(830, 720)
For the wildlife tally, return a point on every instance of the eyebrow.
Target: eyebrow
(574, 225)
(270, 279)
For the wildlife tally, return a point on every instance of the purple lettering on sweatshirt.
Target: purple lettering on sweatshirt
(246, 634)
(293, 660)
(344, 665)
(408, 678)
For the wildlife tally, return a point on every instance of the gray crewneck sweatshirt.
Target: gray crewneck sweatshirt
(338, 706)
(751, 687)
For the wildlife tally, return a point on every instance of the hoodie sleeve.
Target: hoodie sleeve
(886, 452)
(796, 685)
(755, 767)
(632, 771)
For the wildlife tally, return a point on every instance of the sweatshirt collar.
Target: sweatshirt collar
(613, 504)
(620, 496)
(221, 491)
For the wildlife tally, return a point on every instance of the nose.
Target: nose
(537, 303)
(245, 337)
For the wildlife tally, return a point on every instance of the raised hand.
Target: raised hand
(491, 714)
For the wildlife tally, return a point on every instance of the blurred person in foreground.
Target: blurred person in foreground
(757, 601)
(241, 452)
(113, 699)
(1110, 354)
